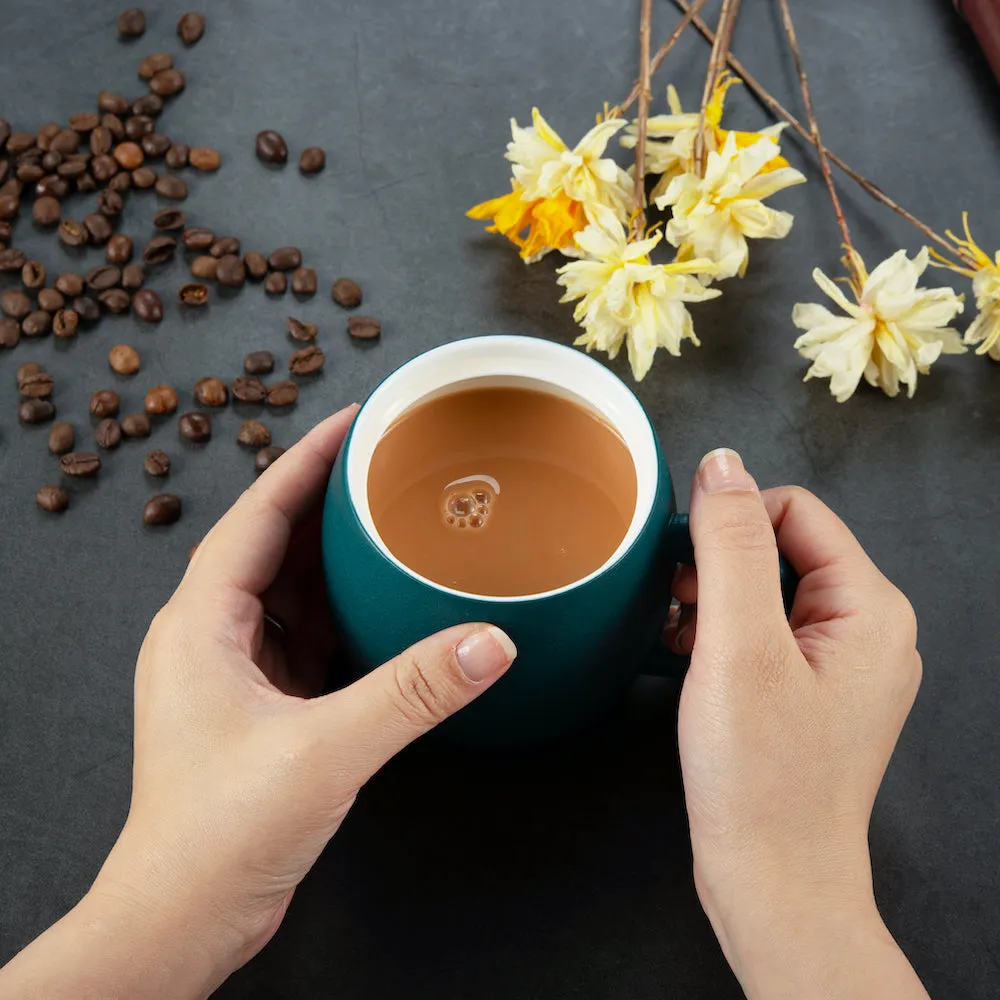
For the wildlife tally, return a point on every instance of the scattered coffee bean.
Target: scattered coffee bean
(62, 438)
(303, 332)
(99, 229)
(53, 499)
(177, 156)
(224, 246)
(36, 324)
(193, 294)
(108, 434)
(282, 393)
(194, 426)
(30, 173)
(148, 106)
(167, 83)
(172, 186)
(80, 463)
(266, 457)
(157, 463)
(129, 155)
(312, 160)
(304, 281)
(11, 205)
(191, 27)
(50, 161)
(101, 141)
(36, 411)
(119, 249)
(50, 300)
(136, 425)
(169, 219)
(33, 274)
(161, 399)
(70, 284)
(12, 259)
(259, 363)
(307, 360)
(10, 332)
(276, 283)
(211, 392)
(271, 147)
(103, 168)
(46, 211)
(346, 293)
(34, 384)
(198, 238)
(102, 277)
(164, 508)
(230, 272)
(124, 359)
(83, 121)
(155, 145)
(256, 265)
(26, 369)
(85, 183)
(285, 259)
(133, 276)
(110, 203)
(111, 102)
(248, 390)
(120, 182)
(71, 233)
(147, 305)
(144, 177)
(12, 188)
(104, 403)
(159, 250)
(18, 142)
(115, 300)
(254, 434)
(114, 124)
(87, 309)
(363, 327)
(204, 267)
(131, 23)
(204, 159)
(67, 141)
(64, 323)
(15, 303)
(136, 126)
(155, 63)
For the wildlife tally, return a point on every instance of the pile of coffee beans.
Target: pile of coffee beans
(114, 150)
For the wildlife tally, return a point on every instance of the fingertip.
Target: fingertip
(485, 653)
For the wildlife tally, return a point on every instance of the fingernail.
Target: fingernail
(483, 653)
(722, 470)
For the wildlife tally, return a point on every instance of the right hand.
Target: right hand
(785, 731)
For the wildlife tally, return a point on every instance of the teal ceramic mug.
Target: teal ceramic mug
(580, 646)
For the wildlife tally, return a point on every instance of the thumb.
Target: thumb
(377, 716)
(739, 591)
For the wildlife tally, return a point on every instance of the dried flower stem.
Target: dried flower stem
(639, 220)
(716, 64)
(762, 94)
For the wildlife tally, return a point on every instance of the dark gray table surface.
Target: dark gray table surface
(564, 872)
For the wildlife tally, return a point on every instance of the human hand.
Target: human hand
(785, 730)
(239, 779)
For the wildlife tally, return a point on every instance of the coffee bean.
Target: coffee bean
(161, 399)
(271, 147)
(231, 273)
(167, 83)
(50, 300)
(147, 305)
(33, 274)
(306, 361)
(10, 332)
(136, 126)
(124, 359)
(120, 182)
(225, 245)
(15, 303)
(43, 138)
(276, 283)
(62, 438)
(254, 434)
(248, 390)
(114, 125)
(304, 281)
(98, 228)
(119, 249)
(129, 155)
(83, 121)
(285, 259)
(144, 177)
(303, 332)
(36, 411)
(64, 323)
(103, 168)
(191, 27)
(27, 369)
(115, 300)
(34, 385)
(346, 293)
(46, 210)
(11, 187)
(193, 294)
(164, 508)
(256, 265)
(156, 63)
(131, 23)
(12, 259)
(204, 159)
(101, 141)
(282, 393)
(133, 276)
(198, 238)
(4, 132)
(102, 277)
(80, 463)
(53, 499)
(155, 145)
(50, 160)
(204, 267)
(71, 169)
(172, 186)
(36, 324)
(108, 434)
(113, 103)
(70, 284)
(72, 234)
(110, 203)
(157, 463)
(211, 392)
(312, 160)
(169, 219)
(149, 106)
(177, 156)
(259, 363)
(85, 182)
(18, 142)
(67, 141)
(9, 206)
(266, 457)
(159, 250)
(30, 173)
(136, 425)
(194, 426)
(363, 327)
(86, 308)
(104, 403)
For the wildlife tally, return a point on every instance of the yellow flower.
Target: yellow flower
(985, 273)
(895, 331)
(626, 299)
(554, 185)
(713, 215)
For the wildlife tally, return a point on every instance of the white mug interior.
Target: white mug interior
(504, 361)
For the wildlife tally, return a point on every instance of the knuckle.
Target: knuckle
(741, 527)
(418, 697)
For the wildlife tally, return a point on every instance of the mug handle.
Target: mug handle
(664, 662)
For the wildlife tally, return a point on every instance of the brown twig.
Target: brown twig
(873, 190)
(639, 220)
(716, 64)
